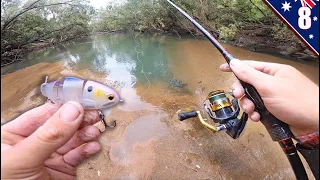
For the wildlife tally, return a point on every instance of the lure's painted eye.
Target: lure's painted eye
(111, 97)
(89, 88)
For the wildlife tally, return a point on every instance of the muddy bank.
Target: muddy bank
(261, 39)
(16, 55)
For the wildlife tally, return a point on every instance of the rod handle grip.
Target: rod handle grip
(277, 129)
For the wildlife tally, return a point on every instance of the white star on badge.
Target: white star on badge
(311, 36)
(315, 18)
(286, 6)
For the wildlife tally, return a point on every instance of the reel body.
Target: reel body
(222, 111)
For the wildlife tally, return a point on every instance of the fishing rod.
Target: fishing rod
(218, 106)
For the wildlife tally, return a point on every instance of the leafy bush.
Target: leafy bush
(228, 33)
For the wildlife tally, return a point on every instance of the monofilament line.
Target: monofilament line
(138, 44)
(191, 33)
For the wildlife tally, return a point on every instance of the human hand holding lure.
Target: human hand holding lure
(219, 109)
(90, 94)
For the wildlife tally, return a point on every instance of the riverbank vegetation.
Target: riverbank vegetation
(248, 23)
(26, 26)
(220, 16)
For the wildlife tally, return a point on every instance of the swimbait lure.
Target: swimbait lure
(90, 94)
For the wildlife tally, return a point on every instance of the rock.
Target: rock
(176, 83)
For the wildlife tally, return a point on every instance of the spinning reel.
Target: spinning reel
(221, 111)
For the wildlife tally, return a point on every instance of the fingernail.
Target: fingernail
(223, 66)
(93, 148)
(235, 62)
(92, 133)
(69, 112)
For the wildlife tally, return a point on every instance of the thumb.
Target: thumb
(53, 134)
(248, 74)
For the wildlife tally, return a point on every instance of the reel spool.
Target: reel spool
(222, 111)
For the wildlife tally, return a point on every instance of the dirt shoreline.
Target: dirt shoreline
(151, 143)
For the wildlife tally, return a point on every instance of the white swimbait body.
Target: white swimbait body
(90, 94)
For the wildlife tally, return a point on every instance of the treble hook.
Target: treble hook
(102, 117)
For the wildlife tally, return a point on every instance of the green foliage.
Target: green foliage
(223, 17)
(228, 33)
(52, 21)
(136, 15)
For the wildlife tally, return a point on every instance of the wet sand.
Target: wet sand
(149, 142)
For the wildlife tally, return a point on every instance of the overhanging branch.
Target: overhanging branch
(30, 7)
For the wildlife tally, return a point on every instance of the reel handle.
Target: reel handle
(277, 129)
(186, 115)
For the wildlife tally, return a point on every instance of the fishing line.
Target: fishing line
(165, 13)
(159, 47)
(138, 44)
(198, 92)
(177, 33)
(191, 33)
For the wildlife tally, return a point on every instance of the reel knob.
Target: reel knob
(186, 115)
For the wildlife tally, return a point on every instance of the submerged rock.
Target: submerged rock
(177, 83)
